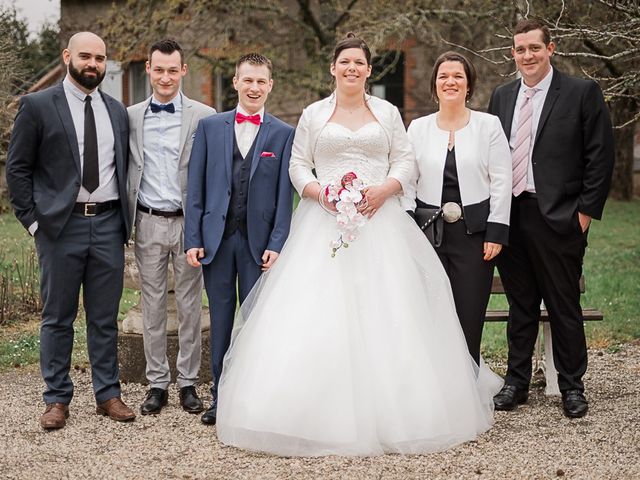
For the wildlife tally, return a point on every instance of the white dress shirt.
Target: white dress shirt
(108, 188)
(246, 131)
(538, 101)
(160, 183)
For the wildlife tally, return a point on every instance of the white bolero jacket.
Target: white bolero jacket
(402, 164)
(483, 164)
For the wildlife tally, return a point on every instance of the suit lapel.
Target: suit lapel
(229, 133)
(187, 117)
(116, 137)
(549, 101)
(263, 134)
(510, 106)
(139, 126)
(62, 106)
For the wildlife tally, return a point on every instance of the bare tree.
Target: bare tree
(604, 41)
(10, 75)
(297, 34)
(598, 39)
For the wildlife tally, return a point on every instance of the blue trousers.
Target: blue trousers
(232, 271)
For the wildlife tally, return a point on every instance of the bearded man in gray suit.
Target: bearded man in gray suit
(161, 136)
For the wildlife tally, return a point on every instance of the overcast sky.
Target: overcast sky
(36, 12)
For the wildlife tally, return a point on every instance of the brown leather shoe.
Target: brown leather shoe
(116, 410)
(54, 416)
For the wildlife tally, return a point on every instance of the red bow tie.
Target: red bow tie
(255, 119)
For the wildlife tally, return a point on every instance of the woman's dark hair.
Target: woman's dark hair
(351, 41)
(469, 70)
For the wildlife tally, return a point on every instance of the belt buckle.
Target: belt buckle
(86, 209)
(451, 212)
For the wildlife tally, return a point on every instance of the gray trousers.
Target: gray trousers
(159, 240)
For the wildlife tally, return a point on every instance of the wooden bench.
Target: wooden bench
(550, 372)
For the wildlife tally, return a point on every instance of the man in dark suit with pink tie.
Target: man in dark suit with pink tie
(561, 141)
(239, 201)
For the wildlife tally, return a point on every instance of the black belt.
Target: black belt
(91, 209)
(160, 213)
(528, 195)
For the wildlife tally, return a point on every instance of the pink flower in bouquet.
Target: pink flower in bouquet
(348, 178)
(347, 196)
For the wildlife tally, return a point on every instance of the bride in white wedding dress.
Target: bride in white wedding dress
(361, 353)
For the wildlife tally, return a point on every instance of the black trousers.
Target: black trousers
(461, 255)
(89, 253)
(542, 264)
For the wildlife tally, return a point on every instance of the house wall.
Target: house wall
(80, 15)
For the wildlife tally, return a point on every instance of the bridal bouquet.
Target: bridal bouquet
(347, 196)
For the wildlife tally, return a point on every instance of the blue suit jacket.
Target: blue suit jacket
(270, 197)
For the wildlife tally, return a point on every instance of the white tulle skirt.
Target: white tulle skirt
(361, 354)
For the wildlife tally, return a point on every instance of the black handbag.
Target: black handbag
(431, 222)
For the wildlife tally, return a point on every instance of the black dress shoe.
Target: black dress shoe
(574, 404)
(156, 399)
(209, 416)
(510, 397)
(189, 400)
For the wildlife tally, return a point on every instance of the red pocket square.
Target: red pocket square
(267, 154)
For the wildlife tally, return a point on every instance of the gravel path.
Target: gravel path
(534, 442)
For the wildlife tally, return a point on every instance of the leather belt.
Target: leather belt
(91, 209)
(528, 195)
(160, 213)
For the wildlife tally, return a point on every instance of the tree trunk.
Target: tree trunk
(622, 181)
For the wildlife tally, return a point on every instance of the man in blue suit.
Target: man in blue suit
(239, 202)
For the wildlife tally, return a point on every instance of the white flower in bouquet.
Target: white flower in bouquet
(346, 195)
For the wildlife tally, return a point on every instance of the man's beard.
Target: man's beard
(87, 82)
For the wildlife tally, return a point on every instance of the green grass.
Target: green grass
(612, 274)
(129, 299)
(14, 239)
(612, 271)
(23, 348)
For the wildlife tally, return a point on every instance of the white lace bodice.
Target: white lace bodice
(340, 150)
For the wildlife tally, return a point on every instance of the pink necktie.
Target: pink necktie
(520, 154)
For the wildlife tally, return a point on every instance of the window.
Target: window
(387, 77)
(112, 83)
(139, 87)
(226, 98)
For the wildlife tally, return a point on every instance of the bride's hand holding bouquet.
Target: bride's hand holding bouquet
(375, 196)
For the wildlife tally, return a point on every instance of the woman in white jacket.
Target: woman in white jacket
(465, 170)
(359, 352)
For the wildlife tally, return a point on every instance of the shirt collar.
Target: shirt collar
(244, 112)
(177, 100)
(542, 86)
(76, 92)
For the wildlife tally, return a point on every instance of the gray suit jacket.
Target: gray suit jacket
(192, 113)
